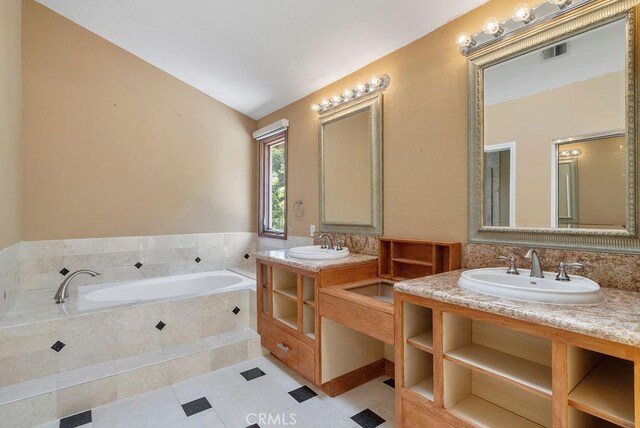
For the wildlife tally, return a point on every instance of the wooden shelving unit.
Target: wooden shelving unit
(466, 367)
(401, 259)
(289, 293)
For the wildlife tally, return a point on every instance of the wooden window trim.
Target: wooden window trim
(264, 183)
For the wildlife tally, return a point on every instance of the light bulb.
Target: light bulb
(561, 3)
(493, 28)
(337, 99)
(523, 13)
(348, 94)
(316, 107)
(376, 82)
(465, 41)
(325, 103)
(362, 88)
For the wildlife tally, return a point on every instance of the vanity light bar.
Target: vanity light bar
(523, 16)
(374, 85)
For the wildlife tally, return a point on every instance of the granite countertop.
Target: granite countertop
(617, 319)
(282, 257)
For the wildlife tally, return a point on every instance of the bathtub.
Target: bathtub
(162, 288)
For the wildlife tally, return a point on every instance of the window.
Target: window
(272, 221)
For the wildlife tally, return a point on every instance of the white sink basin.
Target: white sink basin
(496, 282)
(314, 252)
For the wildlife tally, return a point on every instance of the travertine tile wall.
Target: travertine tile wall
(9, 277)
(116, 258)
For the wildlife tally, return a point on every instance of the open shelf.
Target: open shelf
(291, 321)
(423, 341)
(485, 414)
(578, 419)
(289, 293)
(607, 391)
(424, 388)
(518, 358)
(311, 303)
(489, 402)
(529, 374)
(283, 279)
(285, 310)
(412, 262)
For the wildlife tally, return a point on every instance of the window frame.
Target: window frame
(264, 184)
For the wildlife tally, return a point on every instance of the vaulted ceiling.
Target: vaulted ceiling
(256, 55)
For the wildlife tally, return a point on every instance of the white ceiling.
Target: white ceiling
(257, 55)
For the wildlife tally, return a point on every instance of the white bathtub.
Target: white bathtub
(168, 287)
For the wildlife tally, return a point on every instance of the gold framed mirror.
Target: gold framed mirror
(553, 131)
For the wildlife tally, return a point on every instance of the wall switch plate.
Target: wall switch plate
(312, 230)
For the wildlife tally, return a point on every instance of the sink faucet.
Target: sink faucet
(63, 292)
(324, 237)
(536, 269)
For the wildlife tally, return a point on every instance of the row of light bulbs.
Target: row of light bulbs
(570, 153)
(523, 13)
(374, 85)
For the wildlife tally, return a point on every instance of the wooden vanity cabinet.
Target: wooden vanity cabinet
(288, 322)
(459, 367)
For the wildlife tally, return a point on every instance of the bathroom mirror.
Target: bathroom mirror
(552, 134)
(350, 141)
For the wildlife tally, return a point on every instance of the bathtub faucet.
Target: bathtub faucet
(62, 292)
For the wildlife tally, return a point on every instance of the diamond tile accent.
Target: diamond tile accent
(64, 271)
(198, 260)
(160, 325)
(236, 310)
(253, 373)
(138, 265)
(196, 406)
(58, 346)
(303, 393)
(367, 419)
(76, 420)
(391, 383)
(246, 256)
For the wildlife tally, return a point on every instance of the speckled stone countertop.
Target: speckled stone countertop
(617, 319)
(282, 257)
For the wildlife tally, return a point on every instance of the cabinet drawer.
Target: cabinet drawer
(306, 361)
(281, 344)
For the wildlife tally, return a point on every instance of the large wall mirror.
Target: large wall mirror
(552, 137)
(351, 168)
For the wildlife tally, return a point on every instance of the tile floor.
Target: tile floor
(256, 393)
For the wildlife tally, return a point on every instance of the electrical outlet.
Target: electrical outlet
(312, 230)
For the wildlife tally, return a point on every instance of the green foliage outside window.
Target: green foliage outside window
(278, 189)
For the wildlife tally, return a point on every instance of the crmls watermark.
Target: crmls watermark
(279, 419)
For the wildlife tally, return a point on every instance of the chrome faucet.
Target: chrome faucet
(63, 292)
(536, 269)
(322, 239)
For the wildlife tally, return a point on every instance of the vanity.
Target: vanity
(465, 359)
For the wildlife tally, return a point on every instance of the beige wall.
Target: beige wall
(10, 122)
(113, 146)
(588, 107)
(425, 135)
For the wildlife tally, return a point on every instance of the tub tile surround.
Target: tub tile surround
(620, 271)
(617, 319)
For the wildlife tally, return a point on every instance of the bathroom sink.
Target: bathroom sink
(316, 252)
(496, 282)
(379, 290)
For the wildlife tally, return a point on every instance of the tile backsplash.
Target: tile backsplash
(609, 270)
(361, 244)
